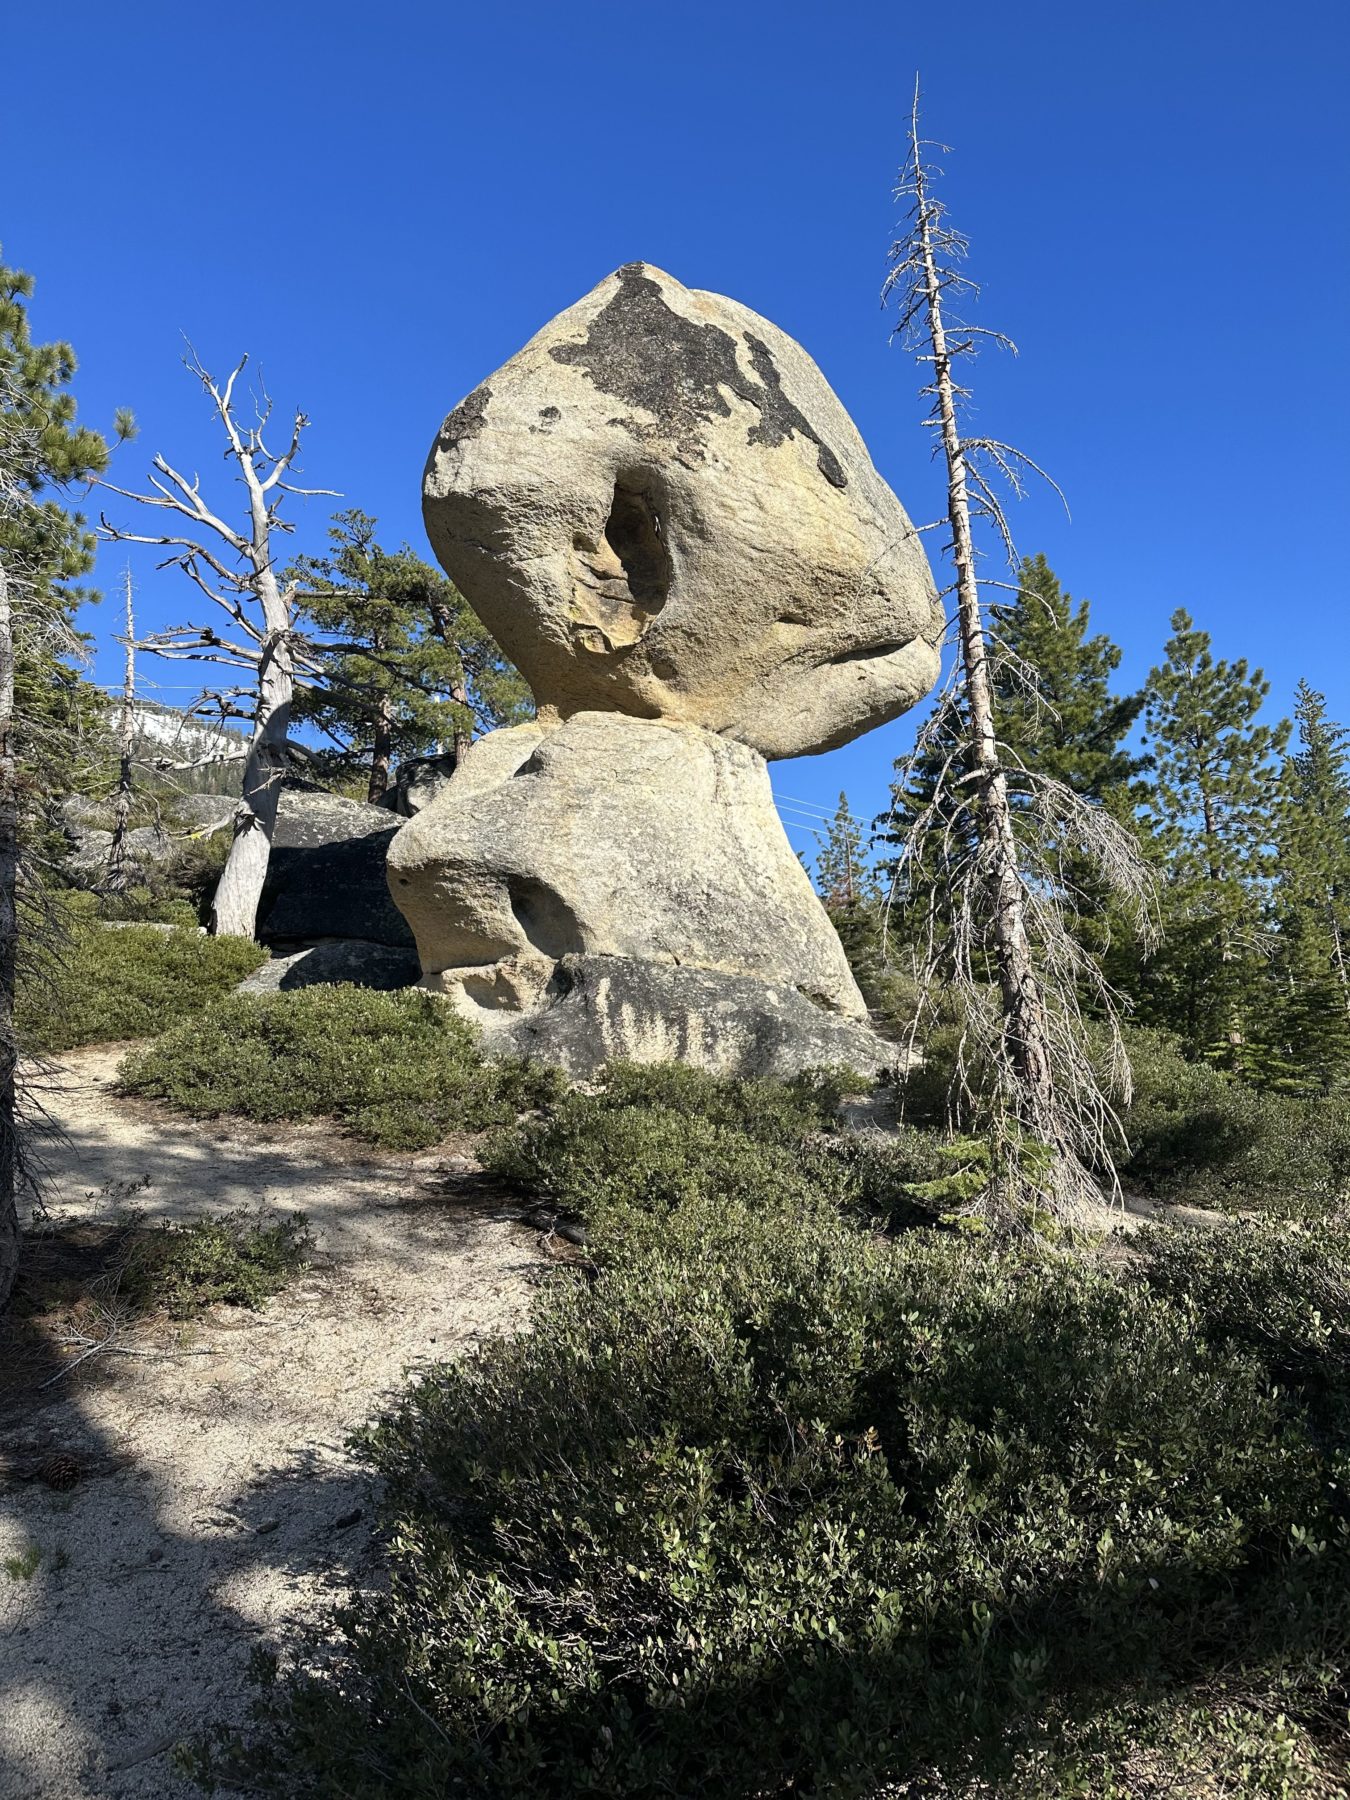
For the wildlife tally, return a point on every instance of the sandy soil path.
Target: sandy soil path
(217, 1504)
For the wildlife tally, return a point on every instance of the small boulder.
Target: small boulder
(417, 782)
(326, 874)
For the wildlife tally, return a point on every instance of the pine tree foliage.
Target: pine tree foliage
(1057, 713)
(844, 875)
(1058, 719)
(1211, 818)
(401, 665)
(44, 548)
(1309, 1031)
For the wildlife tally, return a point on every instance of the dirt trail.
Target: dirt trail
(216, 1504)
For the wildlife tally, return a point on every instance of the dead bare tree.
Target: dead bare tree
(238, 572)
(1004, 902)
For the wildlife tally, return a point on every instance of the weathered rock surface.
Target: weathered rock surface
(610, 836)
(332, 960)
(326, 874)
(659, 507)
(599, 1008)
(86, 825)
(614, 887)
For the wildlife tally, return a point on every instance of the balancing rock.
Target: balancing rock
(659, 507)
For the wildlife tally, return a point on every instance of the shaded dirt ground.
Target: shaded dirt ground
(214, 1502)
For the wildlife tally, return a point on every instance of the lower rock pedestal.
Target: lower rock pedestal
(622, 888)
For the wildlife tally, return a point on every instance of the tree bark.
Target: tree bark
(459, 689)
(382, 753)
(9, 943)
(234, 908)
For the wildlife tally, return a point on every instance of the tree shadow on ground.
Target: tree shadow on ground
(133, 1628)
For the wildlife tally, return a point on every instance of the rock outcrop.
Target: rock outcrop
(610, 836)
(621, 1008)
(326, 873)
(416, 783)
(659, 507)
(669, 522)
(350, 960)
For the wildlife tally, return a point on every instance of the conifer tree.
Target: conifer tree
(1057, 717)
(1310, 1010)
(399, 664)
(853, 893)
(1212, 817)
(844, 878)
(44, 547)
(1057, 714)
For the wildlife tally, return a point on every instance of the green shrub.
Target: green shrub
(136, 905)
(773, 1504)
(399, 1069)
(1278, 1289)
(1201, 1136)
(102, 983)
(234, 1259)
(654, 1138)
(651, 1139)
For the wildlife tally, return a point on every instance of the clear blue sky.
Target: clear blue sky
(382, 203)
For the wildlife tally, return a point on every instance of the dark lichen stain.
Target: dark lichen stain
(641, 351)
(549, 412)
(466, 421)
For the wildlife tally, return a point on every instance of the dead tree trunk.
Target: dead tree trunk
(1024, 1016)
(990, 843)
(239, 576)
(117, 872)
(234, 909)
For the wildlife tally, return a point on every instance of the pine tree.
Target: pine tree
(402, 664)
(1212, 819)
(1057, 717)
(1057, 714)
(844, 877)
(853, 895)
(1309, 1032)
(44, 547)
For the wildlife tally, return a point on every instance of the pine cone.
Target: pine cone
(59, 1471)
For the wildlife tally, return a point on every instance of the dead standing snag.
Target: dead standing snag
(1006, 900)
(236, 569)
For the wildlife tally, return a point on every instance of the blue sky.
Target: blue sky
(382, 204)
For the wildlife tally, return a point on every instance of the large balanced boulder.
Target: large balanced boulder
(660, 508)
(668, 521)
